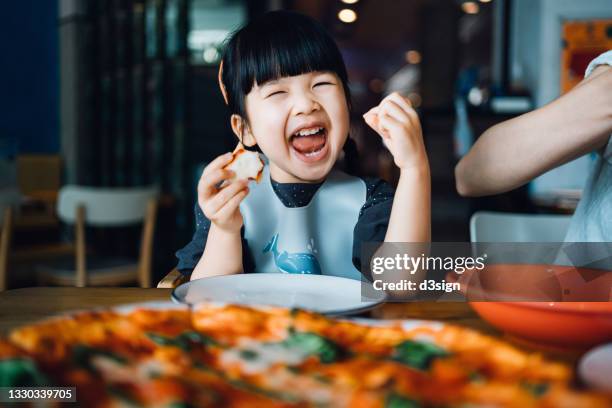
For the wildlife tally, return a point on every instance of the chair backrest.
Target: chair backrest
(9, 198)
(105, 206)
(5, 242)
(9, 202)
(486, 226)
(39, 172)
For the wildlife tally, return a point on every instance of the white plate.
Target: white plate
(150, 305)
(595, 368)
(320, 293)
(405, 324)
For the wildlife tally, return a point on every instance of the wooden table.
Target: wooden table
(27, 305)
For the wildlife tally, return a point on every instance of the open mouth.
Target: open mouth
(310, 143)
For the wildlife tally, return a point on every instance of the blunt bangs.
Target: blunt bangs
(278, 44)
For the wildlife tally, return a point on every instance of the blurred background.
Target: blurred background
(123, 93)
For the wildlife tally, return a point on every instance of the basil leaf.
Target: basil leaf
(184, 341)
(180, 404)
(197, 338)
(82, 355)
(417, 354)
(21, 372)
(163, 340)
(312, 344)
(248, 354)
(476, 377)
(399, 401)
(537, 390)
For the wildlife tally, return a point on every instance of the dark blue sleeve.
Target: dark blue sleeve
(373, 217)
(189, 256)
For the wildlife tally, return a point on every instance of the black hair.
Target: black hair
(275, 45)
(279, 44)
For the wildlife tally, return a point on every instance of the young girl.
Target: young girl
(286, 86)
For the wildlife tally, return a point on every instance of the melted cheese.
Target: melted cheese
(255, 357)
(119, 372)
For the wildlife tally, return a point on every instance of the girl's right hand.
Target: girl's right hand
(220, 199)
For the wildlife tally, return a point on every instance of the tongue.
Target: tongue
(307, 144)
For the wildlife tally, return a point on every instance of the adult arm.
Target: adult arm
(514, 152)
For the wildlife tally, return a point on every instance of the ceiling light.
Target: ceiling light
(470, 7)
(350, 1)
(347, 15)
(413, 57)
(210, 55)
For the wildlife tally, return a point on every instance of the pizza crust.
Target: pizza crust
(246, 165)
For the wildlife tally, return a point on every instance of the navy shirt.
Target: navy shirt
(371, 225)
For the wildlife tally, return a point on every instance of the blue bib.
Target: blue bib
(314, 239)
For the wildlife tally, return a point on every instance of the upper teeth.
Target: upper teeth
(307, 132)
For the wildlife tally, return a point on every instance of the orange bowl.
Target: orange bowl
(544, 304)
(577, 325)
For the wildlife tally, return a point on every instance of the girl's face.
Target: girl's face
(300, 123)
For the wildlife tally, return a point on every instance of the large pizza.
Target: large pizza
(238, 356)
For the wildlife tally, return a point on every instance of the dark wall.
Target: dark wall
(29, 76)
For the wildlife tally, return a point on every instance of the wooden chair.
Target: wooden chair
(5, 242)
(39, 178)
(172, 280)
(104, 207)
(9, 201)
(39, 172)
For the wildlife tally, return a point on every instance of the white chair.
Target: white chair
(104, 207)
(523, 230)
(486, 226)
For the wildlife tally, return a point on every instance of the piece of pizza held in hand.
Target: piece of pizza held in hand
(246, 165)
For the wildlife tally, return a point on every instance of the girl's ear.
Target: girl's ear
(242, 131)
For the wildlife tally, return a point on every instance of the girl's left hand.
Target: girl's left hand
(398, 124)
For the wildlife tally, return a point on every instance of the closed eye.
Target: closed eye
(324, 83)
(275, 93)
